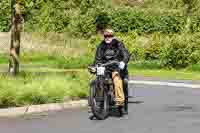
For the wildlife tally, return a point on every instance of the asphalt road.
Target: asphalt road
(155, 109)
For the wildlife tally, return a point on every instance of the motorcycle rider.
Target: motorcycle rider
(112, 49)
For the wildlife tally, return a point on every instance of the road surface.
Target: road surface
(155, 109)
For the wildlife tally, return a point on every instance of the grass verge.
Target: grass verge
(36, 88)
(166, 74)
(56, 61)
(54, 85)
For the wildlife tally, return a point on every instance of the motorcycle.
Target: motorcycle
(101, 98)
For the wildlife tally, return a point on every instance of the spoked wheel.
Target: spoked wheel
(99, 104)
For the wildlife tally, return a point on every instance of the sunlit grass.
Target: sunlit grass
(37, 88)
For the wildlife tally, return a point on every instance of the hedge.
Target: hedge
(81, 18)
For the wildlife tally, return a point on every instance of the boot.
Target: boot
(126, 107)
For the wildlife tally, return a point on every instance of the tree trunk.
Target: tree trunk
(16, 27)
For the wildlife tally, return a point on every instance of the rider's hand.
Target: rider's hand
(100, 70)
(121, 65)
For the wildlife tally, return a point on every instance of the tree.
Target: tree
(16, 21)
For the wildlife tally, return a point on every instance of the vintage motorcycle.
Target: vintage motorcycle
(101, 97)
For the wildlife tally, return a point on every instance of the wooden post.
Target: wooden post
(16, 20)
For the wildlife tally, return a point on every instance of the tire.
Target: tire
(99, 109)
(92, 93)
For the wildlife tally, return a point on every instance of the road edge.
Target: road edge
(17, 111)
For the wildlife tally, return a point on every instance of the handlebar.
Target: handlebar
(109, 63)
(92, 69)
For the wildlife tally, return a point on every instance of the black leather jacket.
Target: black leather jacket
(114, 51)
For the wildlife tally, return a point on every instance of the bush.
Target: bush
(133, 44)
(46, 16)
(5, 15)
(152, 52)
(83, 26)
(124, 20)
(82, 17)
(180, 51)
(195, 24)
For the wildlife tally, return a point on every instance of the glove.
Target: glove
(121, 65)
(100, 70)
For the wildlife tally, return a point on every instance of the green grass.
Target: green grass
(166, 74)
(194, 68)
(155, 65)
(52, 85)
(34, 88)
(56, 61)
(154, 69)
(3, 59)
(145, 68)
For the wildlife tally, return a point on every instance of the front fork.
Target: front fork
(111, 94)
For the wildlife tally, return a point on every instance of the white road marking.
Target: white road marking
(165, 83)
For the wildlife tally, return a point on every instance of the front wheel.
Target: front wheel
(99, 103)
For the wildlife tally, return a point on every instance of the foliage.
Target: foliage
(5, 16)
(152, 52)
(180, 51)
(84, 17)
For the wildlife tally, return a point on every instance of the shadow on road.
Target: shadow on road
(135, 102)
(181, 108)
(115, 113)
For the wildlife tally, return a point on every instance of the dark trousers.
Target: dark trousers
(125, 78)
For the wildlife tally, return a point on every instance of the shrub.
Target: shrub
(5, 15)
(124, 20)
(82, 17)
(152, 52)
(180, 51)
